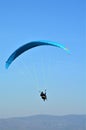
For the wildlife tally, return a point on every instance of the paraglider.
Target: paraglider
(30, 45)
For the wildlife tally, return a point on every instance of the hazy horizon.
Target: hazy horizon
(45, 122)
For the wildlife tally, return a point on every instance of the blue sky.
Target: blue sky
(63, 75)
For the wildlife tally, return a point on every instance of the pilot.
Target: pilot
(43, 95)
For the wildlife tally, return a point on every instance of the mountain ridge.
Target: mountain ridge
(44, 122)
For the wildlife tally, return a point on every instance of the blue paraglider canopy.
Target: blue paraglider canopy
(30, 45)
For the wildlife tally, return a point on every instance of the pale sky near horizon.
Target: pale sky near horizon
(63, 75)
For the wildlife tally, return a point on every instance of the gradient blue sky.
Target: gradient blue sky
(61, 74)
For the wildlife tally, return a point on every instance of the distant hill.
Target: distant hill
(45, 122)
